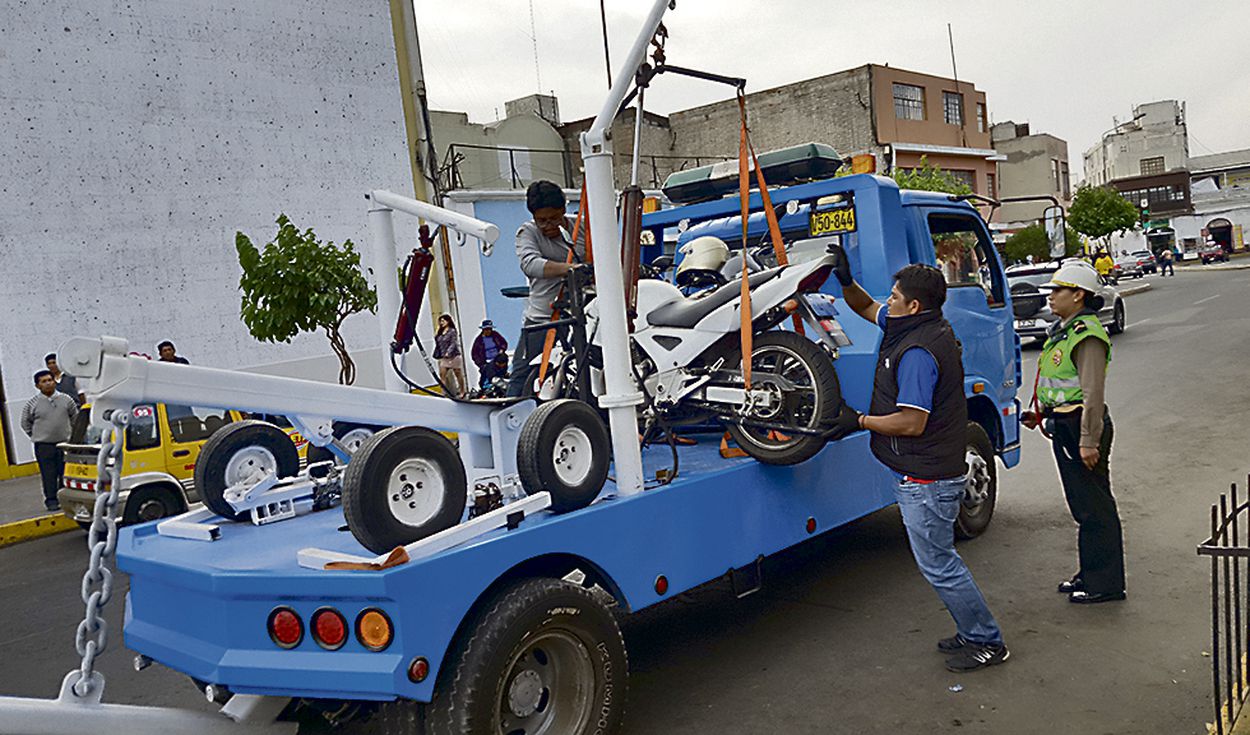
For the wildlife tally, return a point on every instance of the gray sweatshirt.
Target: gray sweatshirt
(47, 419)
(533, 250)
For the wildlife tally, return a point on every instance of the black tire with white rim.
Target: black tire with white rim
(240, 452)
(152, 502)
(564, 449)
(351, 436)
(402, 485)
(808, 398)
(981, 488)
(544, 657)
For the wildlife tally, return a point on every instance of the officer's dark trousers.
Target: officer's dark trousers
(1100, 541)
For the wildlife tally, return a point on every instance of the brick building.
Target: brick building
(899, 117)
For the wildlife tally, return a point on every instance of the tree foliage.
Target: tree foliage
(929, 178)
(1100, 212)
(299, 284)
(1032, 240)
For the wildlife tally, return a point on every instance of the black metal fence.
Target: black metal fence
(469, 166)
(1229, 550)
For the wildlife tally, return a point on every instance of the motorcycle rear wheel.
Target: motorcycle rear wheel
(810, 404)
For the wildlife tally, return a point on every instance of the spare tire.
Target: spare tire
(1026, 300)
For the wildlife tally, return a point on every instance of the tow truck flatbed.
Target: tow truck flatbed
(205, 604)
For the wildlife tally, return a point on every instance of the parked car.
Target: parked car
(1212, 253)
(1146, 260)
(1030, 286)
(1128, 266)
(162, 443)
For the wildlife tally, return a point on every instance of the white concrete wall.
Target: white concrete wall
(140, 136)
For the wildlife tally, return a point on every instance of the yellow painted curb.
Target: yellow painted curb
(32, 528)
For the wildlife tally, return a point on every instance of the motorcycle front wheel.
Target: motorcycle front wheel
(806, 396)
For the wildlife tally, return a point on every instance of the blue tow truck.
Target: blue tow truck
(515, 629)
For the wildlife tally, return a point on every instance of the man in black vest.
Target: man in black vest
(918, 419)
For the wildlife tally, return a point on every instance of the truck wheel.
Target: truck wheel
(809, 398)
(981, 492)
(403, 484)
(544, 656)
(150, 502)
(351, 435)
(563, 449)
(234, 453)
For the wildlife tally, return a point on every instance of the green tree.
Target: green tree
(299, 284)
(1100, 212)
(1032, 240)
(929, 178)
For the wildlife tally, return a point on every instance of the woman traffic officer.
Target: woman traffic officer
(1072, 372)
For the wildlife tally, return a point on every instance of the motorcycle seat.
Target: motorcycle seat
(686, 313)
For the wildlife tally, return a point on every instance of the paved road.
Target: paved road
(841, 639)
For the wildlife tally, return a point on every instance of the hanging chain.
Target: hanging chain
(92, 636)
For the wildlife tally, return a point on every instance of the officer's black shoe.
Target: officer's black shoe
(1069, 586)
(953, 644)
(1081, 597)
(975, 656)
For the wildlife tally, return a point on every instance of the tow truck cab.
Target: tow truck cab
(883, 229)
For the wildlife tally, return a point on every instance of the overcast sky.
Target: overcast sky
(1065, 67)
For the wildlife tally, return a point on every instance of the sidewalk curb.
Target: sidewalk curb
(33, 528)
(1210, 268)
(1135, 289)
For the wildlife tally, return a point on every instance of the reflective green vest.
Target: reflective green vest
(1058, 383)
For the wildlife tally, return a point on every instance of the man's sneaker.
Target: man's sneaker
(952, 644)
(975, 656)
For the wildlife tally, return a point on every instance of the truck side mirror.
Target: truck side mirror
(1056, 225)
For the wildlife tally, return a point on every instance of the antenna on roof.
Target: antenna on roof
(534, 37)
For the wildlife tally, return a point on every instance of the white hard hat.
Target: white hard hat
(1076, 274)
(707, 253)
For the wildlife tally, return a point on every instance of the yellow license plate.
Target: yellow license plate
(80, 470)
(833, 221)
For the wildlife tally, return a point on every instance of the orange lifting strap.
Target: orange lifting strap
(746, 152)
(549, 340)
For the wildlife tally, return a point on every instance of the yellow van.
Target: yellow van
(163, 442)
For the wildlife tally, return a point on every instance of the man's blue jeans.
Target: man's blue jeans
(929, 512)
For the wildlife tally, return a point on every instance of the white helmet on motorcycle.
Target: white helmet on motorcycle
(1076, 274)
(702, 256)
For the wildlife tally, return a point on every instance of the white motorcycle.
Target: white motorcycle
(687, 356)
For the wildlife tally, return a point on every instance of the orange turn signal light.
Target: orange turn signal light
(374, 630)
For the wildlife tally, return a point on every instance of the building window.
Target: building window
(1152, 165)
(991, 186)
(980, 117)
(1064, 180)
(953, 104)
(1054, 174)
(908, 102)
(966, 177)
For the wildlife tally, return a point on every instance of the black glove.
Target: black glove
(841, 265)
(845, 423)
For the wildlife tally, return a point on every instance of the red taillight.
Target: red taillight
(814, 280)
(661, 585)
(329, 628)
(418, 670)
(285, 627)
